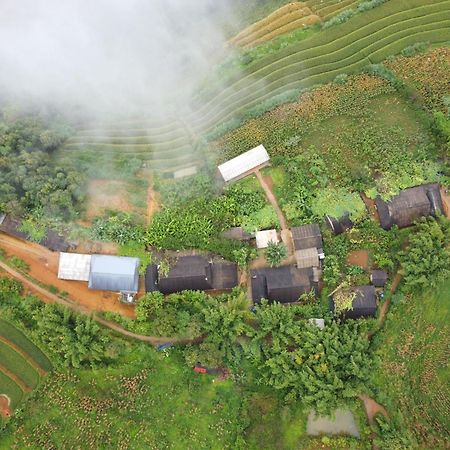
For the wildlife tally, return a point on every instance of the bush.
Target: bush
(418, 47)
(339, 18)
(426, 261)
(370, 4)
(341, 78)
(117, 227)
(275, 253)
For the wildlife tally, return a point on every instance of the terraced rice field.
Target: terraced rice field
(366, 38)
(22, 364)
(328, 8)
(285, 19)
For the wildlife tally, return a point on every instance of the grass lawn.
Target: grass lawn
(415, 377)
(147, 400)
(14, 335)
(14, 362)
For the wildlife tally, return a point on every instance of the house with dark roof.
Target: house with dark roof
(338, 225)
(308, 245)
(52, 240)
(408, 206)
(364, 303)
(115, 273)
(193, 272)
(283, 284)
(307, 236)
(378, 278)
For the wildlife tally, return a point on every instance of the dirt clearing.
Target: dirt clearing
(44, 267)
(5, 401)
(108, 194)
(359, 258)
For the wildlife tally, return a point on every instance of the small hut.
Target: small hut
(378, 278)
(364, 303)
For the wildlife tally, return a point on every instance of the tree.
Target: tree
(427, 258)
(275, 253)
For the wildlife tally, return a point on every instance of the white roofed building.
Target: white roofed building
(244, 164)
(74, 266)
(264, 237)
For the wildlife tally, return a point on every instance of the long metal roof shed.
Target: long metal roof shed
(114, 273)
(74, 266)
(242, 165)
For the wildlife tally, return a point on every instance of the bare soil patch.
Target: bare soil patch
(44, 267)
(107, 194)
(152, 203)
(372, 408)
(5, 401)
(359, 258)
(446, 202)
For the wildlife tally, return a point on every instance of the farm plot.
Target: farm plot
(283, 20)
(414, 378)
(105, 148)
(113, 406)
(361, 134)
(22, 364)
(428, 74)
(366, 38)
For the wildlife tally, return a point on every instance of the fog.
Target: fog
(100, 57)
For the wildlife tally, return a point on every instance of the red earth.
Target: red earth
(5, 401)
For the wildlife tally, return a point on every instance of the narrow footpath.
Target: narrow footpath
(49, 297)
(286, 235)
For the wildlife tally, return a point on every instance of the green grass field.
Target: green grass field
(14, 362)
(414, 378)
(147, 400)
(14, 335)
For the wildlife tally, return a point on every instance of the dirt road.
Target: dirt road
(47, 296)
(286, 235)
(44, 267)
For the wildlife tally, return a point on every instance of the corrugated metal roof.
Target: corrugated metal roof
(114, 273)
(307, 236)
(264, 237)
(236, 167)
(308, 257)
(74, 266)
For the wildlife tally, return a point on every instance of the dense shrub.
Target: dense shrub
(339, 18)
(370, 4)
(117, 227)
(426, 260)
(418, 47)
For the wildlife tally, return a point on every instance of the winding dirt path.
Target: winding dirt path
(286, 235)
(25, 355)
(43, 266)
(16, 379)
(47, 296)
